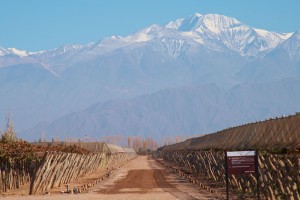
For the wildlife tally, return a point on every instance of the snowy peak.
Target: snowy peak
(187, 24)
(146, 34)
(13, 51)
(270, 35)
(143, 35)
(71, 47)
(66, 49)
(296, 35)
(291, 46)
(17, 52)
(292, 41)
(153, 29)
(174, 24)
(215, 22)
(152, 32)
(3, 51)
(198, 21)
(219, 30)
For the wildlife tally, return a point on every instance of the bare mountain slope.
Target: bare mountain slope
(188, 110)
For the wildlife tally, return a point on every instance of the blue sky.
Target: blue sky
(46, 24)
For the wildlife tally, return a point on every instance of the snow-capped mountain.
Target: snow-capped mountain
(146, 35)
(291, 47)
(281, 62)
(211, 31)
(13, 56)
(198, 50)
(60, 51)
(237, 36)
(16, 52)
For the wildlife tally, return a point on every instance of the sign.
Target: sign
(240, 162)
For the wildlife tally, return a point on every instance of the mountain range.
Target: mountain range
(203, 72)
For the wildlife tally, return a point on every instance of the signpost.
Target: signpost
(241, 162)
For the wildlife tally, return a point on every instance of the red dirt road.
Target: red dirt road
(144, 178)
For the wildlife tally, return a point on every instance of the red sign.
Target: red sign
(241, 162)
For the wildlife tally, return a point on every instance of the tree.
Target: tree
(129, 142)
(9, 135)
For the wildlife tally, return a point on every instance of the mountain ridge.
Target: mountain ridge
(213, 23)
(48, 85)
(177, 111)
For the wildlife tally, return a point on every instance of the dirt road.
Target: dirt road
(141, 178)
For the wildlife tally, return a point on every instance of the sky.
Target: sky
(35, 25)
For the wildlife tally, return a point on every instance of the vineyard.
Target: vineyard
(47, 166)
(43, 166)
(277, 141)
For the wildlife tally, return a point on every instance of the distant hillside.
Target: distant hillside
(182, 111)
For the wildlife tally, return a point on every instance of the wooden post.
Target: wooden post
(257, 175)
(226, 177)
